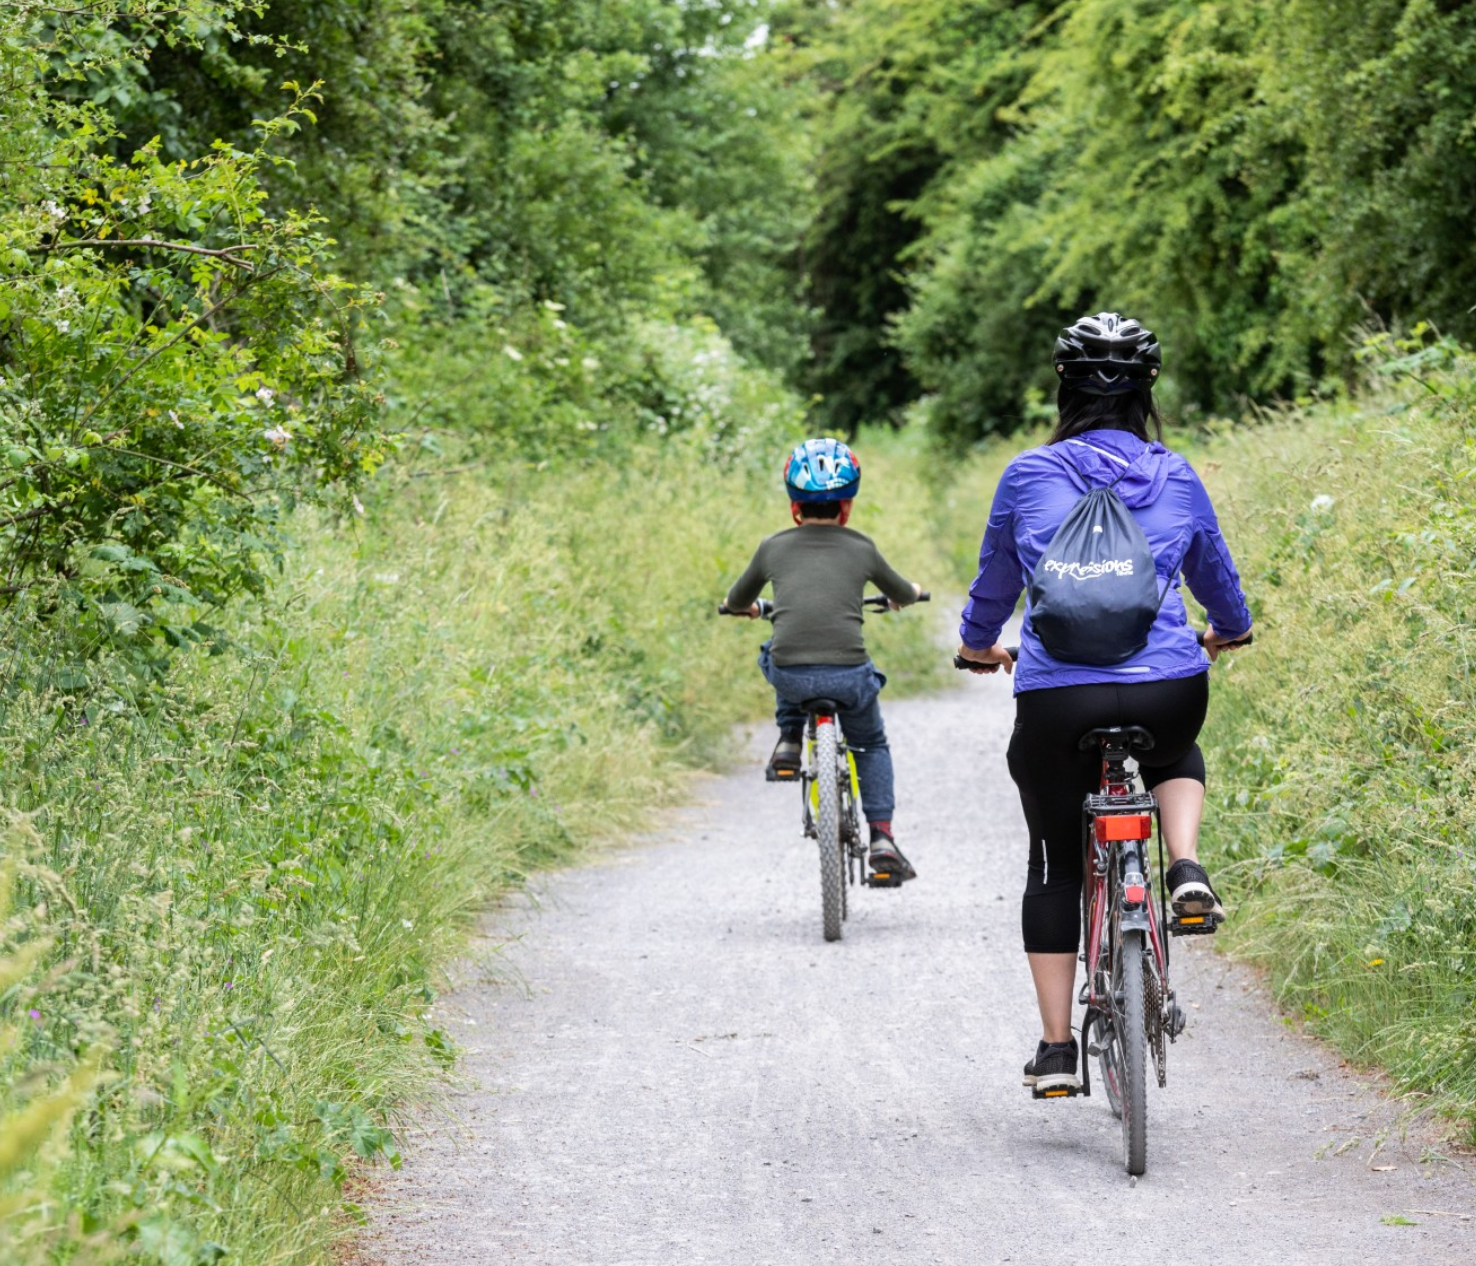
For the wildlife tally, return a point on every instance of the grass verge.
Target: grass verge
(233, 887)
(1344, 743)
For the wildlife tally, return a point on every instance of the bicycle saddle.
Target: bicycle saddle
(826, 707)
(1135, 737)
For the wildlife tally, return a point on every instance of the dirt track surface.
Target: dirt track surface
(674, 1068)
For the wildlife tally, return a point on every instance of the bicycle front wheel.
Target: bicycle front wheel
(1132, 1049)
(827, 828)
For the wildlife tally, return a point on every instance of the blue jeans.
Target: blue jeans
(856, 687)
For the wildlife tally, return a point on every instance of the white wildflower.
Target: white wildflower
(1321, 503)
(358, 506)
(265, 394)
(278, 435)
(63, 326)
(54, 211)
(175, 418)
(513, 352)
(407, 925)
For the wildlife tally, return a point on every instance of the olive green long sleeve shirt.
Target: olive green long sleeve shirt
(819, 574)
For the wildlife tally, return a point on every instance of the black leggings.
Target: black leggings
(1053, 776)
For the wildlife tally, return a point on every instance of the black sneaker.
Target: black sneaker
(886, 858)
(784, 762)
(1054, 1066)
(1190, 892)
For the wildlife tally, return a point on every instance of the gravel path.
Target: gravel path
(672, 1067)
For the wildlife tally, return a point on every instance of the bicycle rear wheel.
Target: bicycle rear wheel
(827, 829)
(1132, 1047)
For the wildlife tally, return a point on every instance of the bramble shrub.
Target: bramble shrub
(179, 363)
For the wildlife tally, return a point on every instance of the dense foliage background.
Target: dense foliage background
(1256, 181)
(387, 387)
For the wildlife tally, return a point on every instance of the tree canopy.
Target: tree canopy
(1255, 181)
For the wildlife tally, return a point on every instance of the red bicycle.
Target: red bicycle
(1130, 1007)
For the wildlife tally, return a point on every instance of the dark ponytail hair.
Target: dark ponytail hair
(1079, 411)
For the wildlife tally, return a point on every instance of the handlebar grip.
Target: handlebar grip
(881, 602)
(968, 665)
(1229, 646)
(766, 610)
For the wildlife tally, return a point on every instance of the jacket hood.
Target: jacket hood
(1099, 457)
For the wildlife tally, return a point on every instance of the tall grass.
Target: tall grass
(238, 883)
(1344, 742)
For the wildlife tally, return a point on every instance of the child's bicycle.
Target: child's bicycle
(1130, 1006)
(831, 794)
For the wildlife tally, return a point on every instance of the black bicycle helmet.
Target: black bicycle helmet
(1107, 355)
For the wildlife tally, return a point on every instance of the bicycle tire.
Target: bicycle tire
(1132, 1043)
(827, 830)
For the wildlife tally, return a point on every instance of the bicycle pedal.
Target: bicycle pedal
(781, 775)
(1194, 924)
(1175, 1021)
(1055, 1092)
(878, 879)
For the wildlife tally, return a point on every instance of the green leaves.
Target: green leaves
(352, 1125)
(1254, 181)
(179, 364)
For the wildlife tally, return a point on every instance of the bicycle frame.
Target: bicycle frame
(1118, 822)
(830, 798)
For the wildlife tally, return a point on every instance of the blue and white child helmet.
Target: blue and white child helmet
(822, 470)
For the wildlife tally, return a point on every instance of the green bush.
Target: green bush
(179, 364)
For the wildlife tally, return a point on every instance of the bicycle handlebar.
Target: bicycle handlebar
(967, 665)
(766, 608)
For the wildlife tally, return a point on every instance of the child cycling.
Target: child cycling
(819, 570)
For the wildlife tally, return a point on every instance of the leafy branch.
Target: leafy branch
(229, 254)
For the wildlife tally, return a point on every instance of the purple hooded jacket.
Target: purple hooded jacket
(1169, 503)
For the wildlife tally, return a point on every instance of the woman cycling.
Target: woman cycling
(1107, 365)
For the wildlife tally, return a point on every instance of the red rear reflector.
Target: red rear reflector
(1124, 826)
(823, 720)
(1134, 894)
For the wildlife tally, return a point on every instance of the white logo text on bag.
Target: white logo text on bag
(1090, 571)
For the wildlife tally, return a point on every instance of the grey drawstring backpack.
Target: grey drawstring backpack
(1094, 594)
